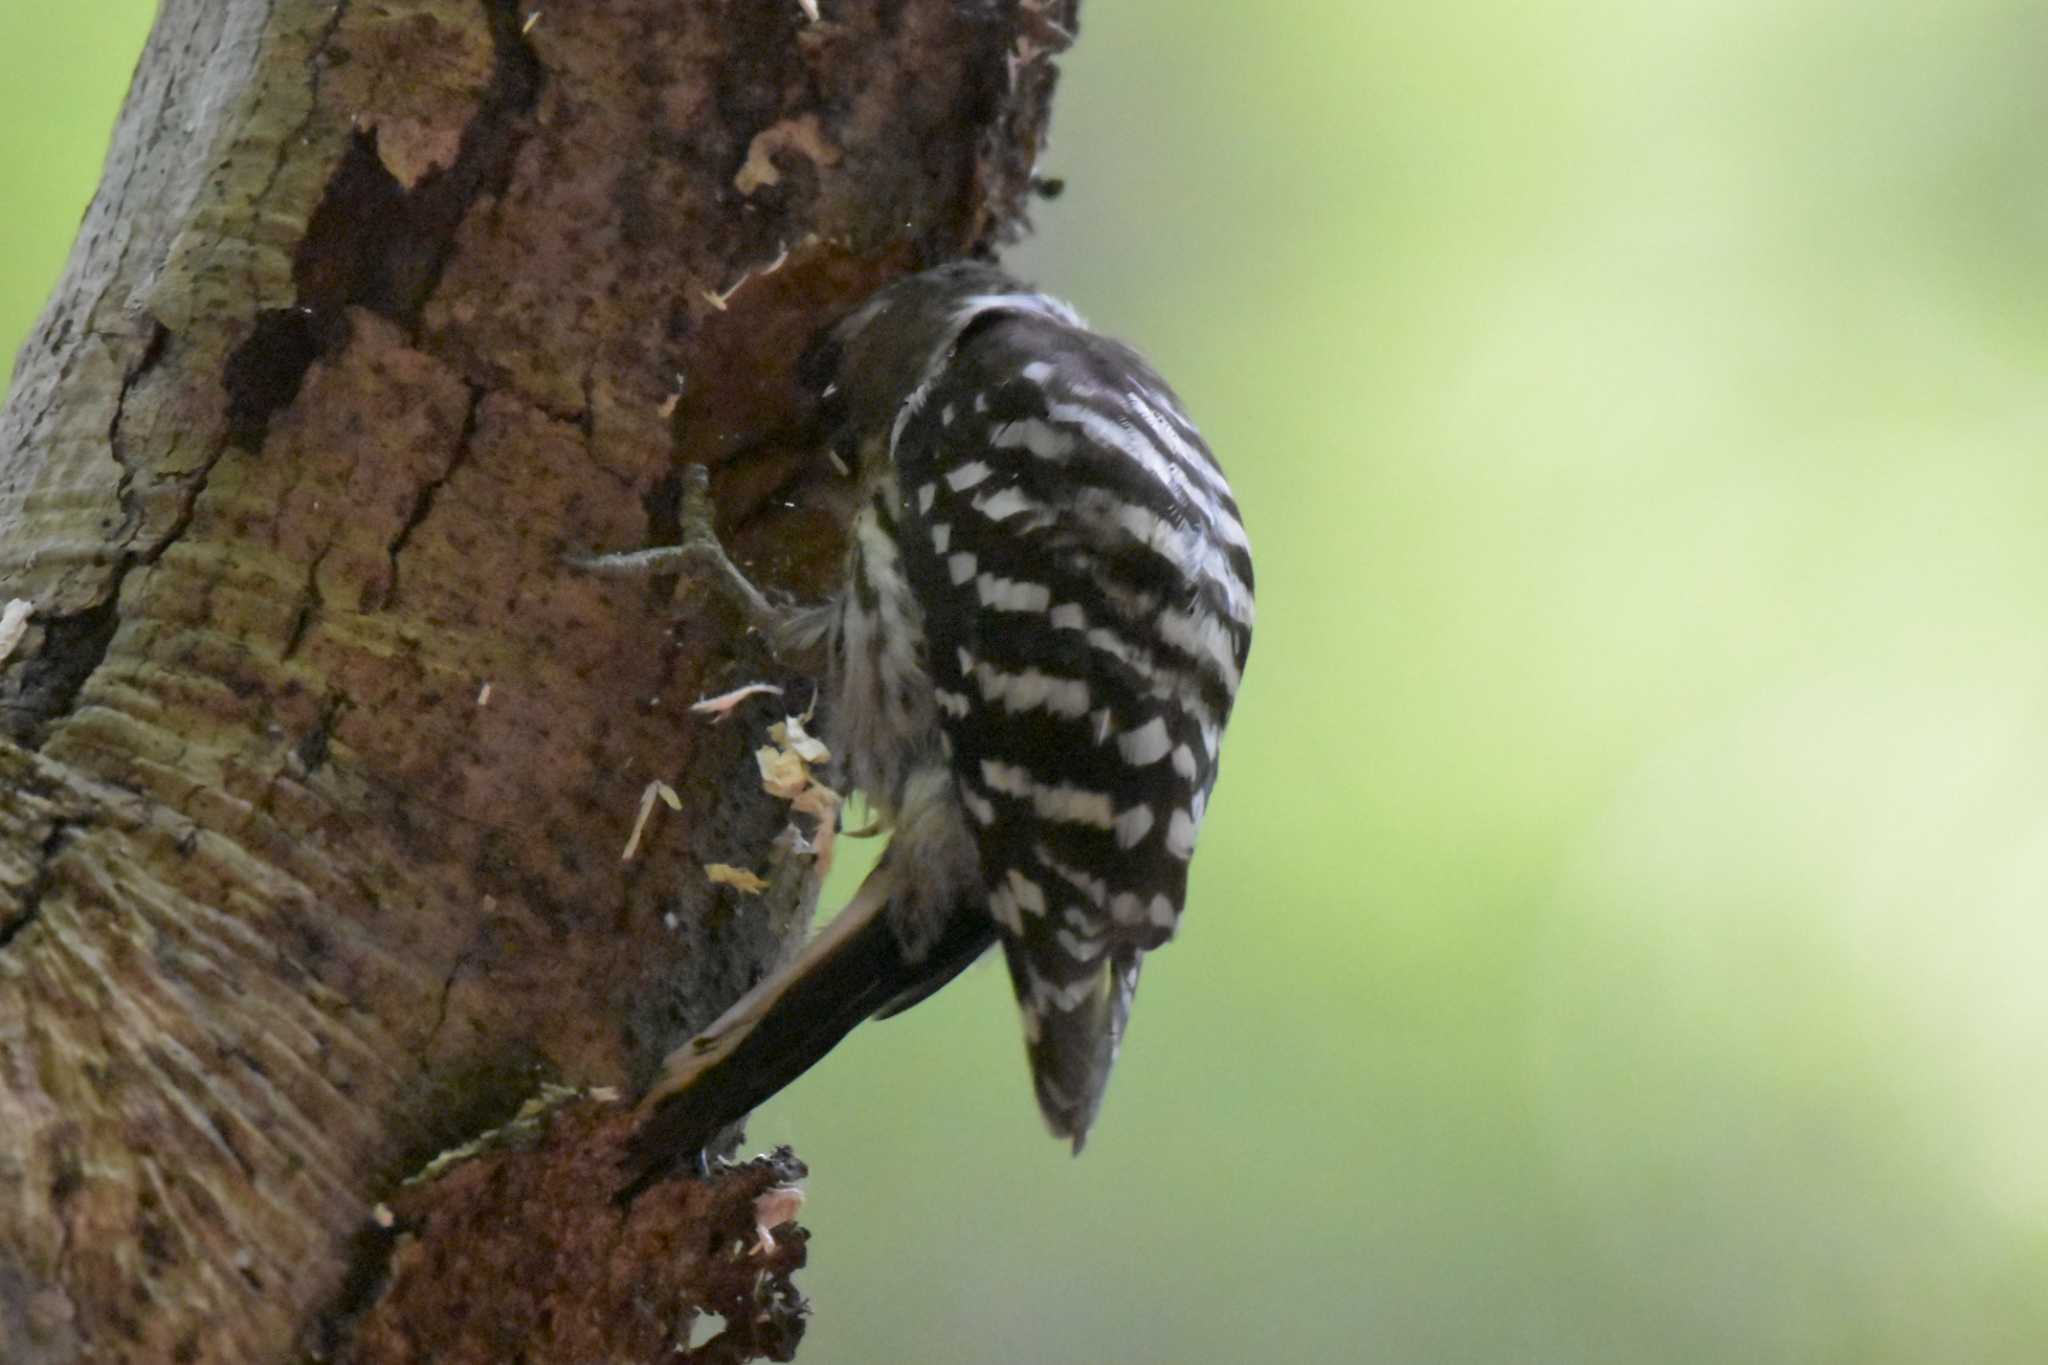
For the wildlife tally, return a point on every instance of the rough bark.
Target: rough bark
(316, 760)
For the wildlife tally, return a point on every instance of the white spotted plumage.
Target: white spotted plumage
(1086, 591)
(1045, 618)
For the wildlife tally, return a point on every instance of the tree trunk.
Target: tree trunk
(317, 760)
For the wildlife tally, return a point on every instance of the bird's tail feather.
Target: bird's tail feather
(1073, 1049)
(852, 970)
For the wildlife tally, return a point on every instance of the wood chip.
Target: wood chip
(791, 735)
(720, 706)
(725, 874)
(774, 1206)
(655, 791)
(782, 772)
(13, 624)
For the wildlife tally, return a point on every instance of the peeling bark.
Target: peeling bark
(316, 759)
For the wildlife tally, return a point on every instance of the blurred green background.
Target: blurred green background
(1619, 934)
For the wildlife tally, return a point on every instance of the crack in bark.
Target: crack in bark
(75, 644)
(309, 755)
(131, 516)
(363, 1281)
(287, 144)
(372, 243)
(423, 500)
(484, 158)
(263, 374)
(258, 357)
(39, 885)
(311, 601)
(51, 679)
(462, 959)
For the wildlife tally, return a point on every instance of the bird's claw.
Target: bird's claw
(697, 554)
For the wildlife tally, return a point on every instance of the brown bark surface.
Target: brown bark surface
(316, 760)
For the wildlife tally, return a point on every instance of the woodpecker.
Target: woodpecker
(1027, 670)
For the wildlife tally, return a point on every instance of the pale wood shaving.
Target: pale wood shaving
(787, 766)
(654, 791)
(804, 135)
(13, 624)
(774, 1206)
(783, 773)
(725, 874)
(720, 706)
(791, 735)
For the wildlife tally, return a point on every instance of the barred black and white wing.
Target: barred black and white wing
(1087, 592)
(1045, 614)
